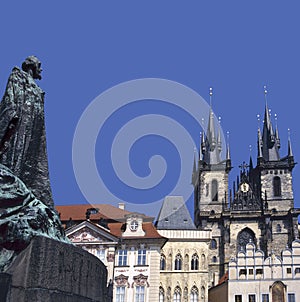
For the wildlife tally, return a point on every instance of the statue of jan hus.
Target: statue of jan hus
(22, 130)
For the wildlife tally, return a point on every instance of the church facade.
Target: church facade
(259, 208)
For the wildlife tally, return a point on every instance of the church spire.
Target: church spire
(269, 142)
(211, 144)
(250, 160)
(211, 136)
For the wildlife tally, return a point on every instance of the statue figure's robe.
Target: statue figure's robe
(22, 217)
(22, 134)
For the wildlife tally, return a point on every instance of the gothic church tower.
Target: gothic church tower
(259, 209)
(210, 180)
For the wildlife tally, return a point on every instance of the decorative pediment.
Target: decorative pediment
(140, 280)
(121, 280)
(89, 232)
(86, 235)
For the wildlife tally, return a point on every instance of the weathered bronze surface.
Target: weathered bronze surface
(22, 130)
(26, 205)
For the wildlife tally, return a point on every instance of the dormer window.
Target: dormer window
(134, 225)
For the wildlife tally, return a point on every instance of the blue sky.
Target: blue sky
(86, 48)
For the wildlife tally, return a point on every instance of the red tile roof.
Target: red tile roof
(77, 212)
(224, 278)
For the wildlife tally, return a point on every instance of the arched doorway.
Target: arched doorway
(278, 292)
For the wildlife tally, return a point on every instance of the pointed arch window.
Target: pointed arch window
(162, 262)
(195, 262)
(214, 190)
(161, 295)
(194, 294)
(213, 244)
(177, 294)
(244, 237)
(214, 259)
(277, 186)
(178, 262)
(203, 293)
(186, 262)
(203, 261)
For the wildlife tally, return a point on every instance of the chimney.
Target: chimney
(122, 205)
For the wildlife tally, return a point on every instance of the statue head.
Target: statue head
(32, 65)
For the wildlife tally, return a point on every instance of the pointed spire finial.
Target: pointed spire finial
(250, 160)
(258, 121)
(228, 148)
(210, 97)
(265, 93)
(290, 151)
(211, 135)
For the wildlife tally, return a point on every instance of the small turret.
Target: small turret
(228, 156)
(259, 145)
(194, 165)
(277, 133)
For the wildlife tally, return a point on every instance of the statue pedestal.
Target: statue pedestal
(52, 271)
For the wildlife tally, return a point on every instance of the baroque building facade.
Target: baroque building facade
(127, 243)
(259, 208)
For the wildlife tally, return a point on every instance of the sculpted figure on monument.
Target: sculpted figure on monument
(26, 205)
(22, 130)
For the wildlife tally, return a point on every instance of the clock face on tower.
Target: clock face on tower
(244, 187)
(134, 225)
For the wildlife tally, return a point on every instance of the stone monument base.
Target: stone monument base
(52, 271)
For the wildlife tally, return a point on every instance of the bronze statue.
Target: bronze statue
(22, 130)
(26, 205)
